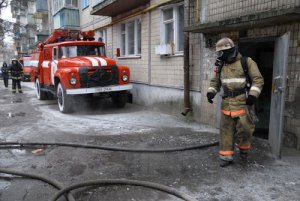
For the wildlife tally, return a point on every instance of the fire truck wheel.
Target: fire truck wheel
(119, 98)
(64, 101)
(41, 95)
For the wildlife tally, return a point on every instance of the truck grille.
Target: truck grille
(98, 77)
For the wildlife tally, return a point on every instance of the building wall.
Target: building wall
(138, 66)
(158, 80)
(216, 10)
(221, 9)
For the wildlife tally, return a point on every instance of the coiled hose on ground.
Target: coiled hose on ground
(62, 191)
(110, 182)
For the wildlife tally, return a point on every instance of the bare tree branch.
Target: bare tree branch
(3, 3)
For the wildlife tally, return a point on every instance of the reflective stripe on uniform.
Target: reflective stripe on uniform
(225, 153)
(244, 147)
(234, 80)
(234, 113)
(254, 88)
(212, 89)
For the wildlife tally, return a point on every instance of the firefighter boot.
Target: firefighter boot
(243, 155)
(20, 91)
(224, 163)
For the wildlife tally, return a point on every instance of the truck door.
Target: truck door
(278, 93)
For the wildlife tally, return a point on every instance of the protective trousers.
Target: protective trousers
(5, 79)
(235, 129)
(16, 83)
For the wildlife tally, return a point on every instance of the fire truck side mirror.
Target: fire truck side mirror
(118, 53)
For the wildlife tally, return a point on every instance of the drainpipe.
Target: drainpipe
(186, 61)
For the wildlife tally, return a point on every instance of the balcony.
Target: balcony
(41, 6)
(114, 7)
(41, 35)
(30, 20)
(67, 18)
(42, 32)
(24, 49)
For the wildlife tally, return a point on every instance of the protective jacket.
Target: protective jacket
(233, 80)
(5, 71)
(16, 71)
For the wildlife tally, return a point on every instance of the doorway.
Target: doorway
(262, 52)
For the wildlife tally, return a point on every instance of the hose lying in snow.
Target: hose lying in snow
(53, 183)
(102, 182)
(110, 182)
(23, 144)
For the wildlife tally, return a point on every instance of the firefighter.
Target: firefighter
(16, 75)
(5, 74)
(236, 126)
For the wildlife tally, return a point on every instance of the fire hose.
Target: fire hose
(63, 191)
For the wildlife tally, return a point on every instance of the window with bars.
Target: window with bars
(172, 22)
(131, 38)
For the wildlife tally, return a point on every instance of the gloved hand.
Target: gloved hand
(250, 100)
(210, 96)
(219, 63)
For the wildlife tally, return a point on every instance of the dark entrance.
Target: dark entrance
(262, 52)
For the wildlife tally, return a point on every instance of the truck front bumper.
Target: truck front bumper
(94, 90)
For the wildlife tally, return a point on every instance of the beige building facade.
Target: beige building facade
(148, 37)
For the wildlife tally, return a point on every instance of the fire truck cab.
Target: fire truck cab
(72, 64)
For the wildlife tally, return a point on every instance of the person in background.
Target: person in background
(16, 76)
(5, 74)
(239, 94)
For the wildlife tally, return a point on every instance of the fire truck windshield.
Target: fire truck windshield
(81, 50)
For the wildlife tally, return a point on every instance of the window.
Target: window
(131, 38)
(101, 35)
(81, 50)
(55, 53)
(84, 4)
(172, 26)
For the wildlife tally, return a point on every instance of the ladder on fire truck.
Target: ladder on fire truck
(60, 35)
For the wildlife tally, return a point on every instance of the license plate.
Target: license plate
(104, 89)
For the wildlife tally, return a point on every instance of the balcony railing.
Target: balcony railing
(42, 32)
(30, 19)
(115, 7)
(96, 2)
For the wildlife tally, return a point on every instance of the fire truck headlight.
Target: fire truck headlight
(124, 78)
(73, 81)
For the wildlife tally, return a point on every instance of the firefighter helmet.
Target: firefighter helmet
(224, 44)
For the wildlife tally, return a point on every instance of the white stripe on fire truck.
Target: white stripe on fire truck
(103, 62)
(45, 64)
(34, 63)
(94, 61)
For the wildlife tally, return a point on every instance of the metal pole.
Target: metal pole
(186, 78)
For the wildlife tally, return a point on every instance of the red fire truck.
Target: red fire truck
(28, 73)
(70, 64)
